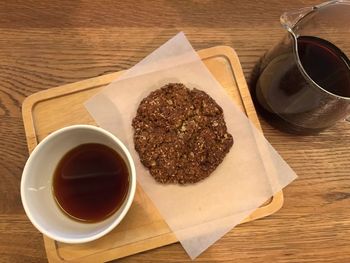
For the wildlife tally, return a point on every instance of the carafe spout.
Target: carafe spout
(291, 18)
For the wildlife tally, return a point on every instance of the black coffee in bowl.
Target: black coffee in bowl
(91, 182)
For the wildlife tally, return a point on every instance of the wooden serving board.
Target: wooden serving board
(143, 228)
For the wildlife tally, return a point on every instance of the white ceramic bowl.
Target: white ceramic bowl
(36, 185)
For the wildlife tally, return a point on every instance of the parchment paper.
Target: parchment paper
(250, 174)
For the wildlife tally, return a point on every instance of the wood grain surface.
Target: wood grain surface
(44, 44)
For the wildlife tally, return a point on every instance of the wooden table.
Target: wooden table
(43, 45)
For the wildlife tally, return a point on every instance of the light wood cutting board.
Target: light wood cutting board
(143, 228)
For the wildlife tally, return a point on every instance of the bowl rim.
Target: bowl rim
(114, 223)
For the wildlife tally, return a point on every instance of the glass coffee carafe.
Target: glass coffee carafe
(303, 83)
